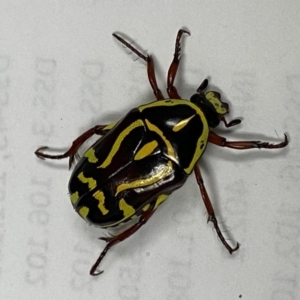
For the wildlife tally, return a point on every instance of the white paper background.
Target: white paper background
(61, 72)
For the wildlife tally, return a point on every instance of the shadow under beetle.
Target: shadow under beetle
(141, 159)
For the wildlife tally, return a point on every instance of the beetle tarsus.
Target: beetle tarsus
(150, 67)
(171, 89)
(213, 219)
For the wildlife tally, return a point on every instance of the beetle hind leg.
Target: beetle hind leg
(171, 89)
(113, 240)
(150, 67)
(211, 214)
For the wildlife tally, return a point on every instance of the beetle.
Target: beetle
(140, 160)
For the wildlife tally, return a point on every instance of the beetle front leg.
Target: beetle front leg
(150, 67)
(71, 153)
(242, 145)
(113, 240)
(210, 210)
(171, 89)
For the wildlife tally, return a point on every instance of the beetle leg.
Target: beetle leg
(150, 67)
(71, 153)
(171, 89)
(152, 79)
(111, 241)
(211, 214)
(241, 145)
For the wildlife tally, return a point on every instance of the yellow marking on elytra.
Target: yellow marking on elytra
(110, 126)
(127, 209)
(168, 102)
(99, 195)
(146, 207)
(204, 136)
(182, 124)
(83, 212)
(146, 150)
(210, 96)
(170, 149)
(90, 181)
(74, 197)
(119, 140)
(160, 199)
(198, 151)
(173, 102)
(146, 181)
(90, 155)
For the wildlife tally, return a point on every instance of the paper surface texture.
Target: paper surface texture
(62, 72)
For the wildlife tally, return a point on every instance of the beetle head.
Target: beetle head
(212, 106)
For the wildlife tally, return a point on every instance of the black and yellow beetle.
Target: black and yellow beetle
(144, 157)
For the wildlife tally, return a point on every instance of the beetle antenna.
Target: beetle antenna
(231, 123)
(202, 86)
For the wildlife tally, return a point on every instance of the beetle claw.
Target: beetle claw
(39, 152)
(235, 248)
(95, 273)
